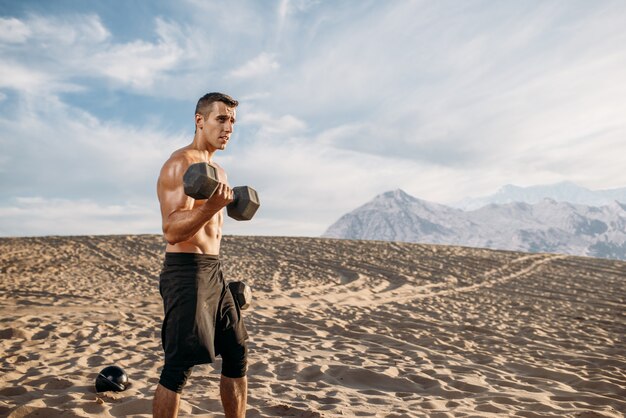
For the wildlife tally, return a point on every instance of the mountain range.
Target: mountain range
(565, 191)
(545, 226)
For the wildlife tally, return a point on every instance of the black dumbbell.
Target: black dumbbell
(200, 182)
(242, 293)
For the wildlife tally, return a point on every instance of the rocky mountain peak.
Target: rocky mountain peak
(548, 225)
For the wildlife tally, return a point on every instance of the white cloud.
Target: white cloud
(479, 83)
(283, 9)
(137, 64)
(69, 30)
(79, 154)
(262, 64)
(16, 76)
(271, 126)
(44, 216)
(81, 46)
(13, 30)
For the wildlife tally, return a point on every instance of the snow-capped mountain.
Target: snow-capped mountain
(561, 192)
(546, 226)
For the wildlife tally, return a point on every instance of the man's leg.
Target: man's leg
(234, 394)
(167, 395)
(165, 404)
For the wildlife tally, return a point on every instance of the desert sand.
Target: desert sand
(338, 329)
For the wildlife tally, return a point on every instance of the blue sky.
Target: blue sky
(340, 101)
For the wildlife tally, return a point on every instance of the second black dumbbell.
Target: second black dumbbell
(242, 293)
(200, 182)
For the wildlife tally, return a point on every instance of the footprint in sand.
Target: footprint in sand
(289, 411)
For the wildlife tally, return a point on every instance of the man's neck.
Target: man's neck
(206, 151)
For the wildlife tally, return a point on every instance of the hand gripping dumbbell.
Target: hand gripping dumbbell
(200, 182)
(242, 293)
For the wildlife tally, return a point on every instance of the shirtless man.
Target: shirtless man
(201, 317)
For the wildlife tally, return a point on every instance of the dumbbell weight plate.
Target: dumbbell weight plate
(200, 181)
(245, 204)
(242, 293)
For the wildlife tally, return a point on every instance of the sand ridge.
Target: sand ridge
(338, 328)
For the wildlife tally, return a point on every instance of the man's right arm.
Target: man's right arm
(180, 219)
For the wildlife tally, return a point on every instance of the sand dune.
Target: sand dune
(338, 329)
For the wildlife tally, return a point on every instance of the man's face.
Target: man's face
(218, 126)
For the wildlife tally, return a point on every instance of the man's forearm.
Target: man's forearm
(184, 224)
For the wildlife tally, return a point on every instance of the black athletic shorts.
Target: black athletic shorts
(201, 318)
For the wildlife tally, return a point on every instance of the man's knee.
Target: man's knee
(174, 377)
(235, 360)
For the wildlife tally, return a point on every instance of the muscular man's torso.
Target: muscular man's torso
(207, 239)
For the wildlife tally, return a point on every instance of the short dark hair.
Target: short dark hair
(204, 103)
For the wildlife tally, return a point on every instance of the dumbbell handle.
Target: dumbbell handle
(236, 196)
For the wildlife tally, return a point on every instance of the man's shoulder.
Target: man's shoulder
(183, 154)
(181, 158)
(175, 165)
